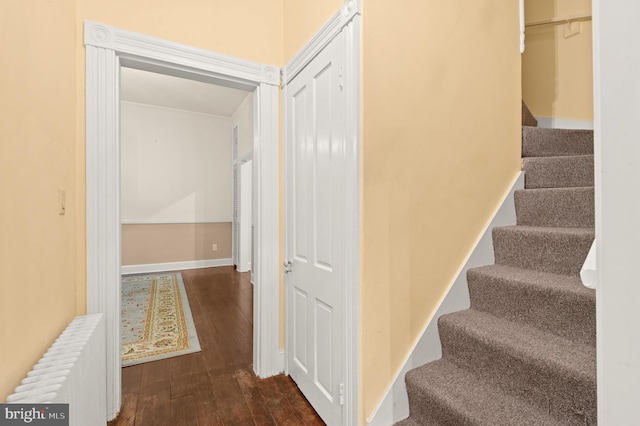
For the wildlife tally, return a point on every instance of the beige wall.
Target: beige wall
(302, 19)
(174, 242)
(249, 29)
(37, 148)
(557, 69)
(441, 144)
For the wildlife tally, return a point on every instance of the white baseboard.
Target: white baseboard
(395, 404)
(563, 123)
(174, 266)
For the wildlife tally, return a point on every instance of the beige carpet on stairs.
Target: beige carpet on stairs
(524, 353)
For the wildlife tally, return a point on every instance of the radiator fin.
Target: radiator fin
(72, 371)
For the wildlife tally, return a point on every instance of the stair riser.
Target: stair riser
(539, 142)
(558, 172)
(548, 252)
(530, 305)
(429, 410)
(527, 378)
(567, 207)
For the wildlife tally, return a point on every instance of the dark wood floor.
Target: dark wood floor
(216, 386)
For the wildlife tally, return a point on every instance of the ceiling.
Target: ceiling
(150, 88)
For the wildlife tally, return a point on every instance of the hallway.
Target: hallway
(216, 386)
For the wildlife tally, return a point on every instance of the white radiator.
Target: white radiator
(73, 371)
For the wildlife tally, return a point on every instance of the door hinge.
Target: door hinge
(340, 79)
(341, 393)
(288, 266)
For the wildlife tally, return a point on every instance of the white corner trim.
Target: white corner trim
(323, 37)
(395, 404)
(106, 47)
(352, 37)
(266, 214)
(563, 123)
(174, 266)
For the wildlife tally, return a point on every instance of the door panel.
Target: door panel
(300, 181)
(315, 230)
(299, 329)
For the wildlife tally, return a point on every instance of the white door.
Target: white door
(315, 231)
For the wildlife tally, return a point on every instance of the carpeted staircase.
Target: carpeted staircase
(524, 353)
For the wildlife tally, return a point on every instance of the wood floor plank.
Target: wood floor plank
(232, 407)
(256, 402)
(183, 411)
(154, 406)
(304, 411)
(206, 406)
(276, 402)
(217, 386)
(183, 370)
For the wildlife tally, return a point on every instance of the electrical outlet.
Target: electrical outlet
(214, 247)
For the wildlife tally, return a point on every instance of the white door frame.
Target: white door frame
(616, 59)
(347, 19)
(107, 48)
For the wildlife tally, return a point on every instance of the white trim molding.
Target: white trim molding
(352, 207)
(174, 266)
(616, 80)
(106, 49)
(395, 403)
(563, 123)
(334, 25)
(347, 20)
(172, 222)
(138, 45)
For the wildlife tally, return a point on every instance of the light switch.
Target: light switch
(62, 202)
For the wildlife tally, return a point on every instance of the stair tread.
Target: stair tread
(534, 346)
(475, 401)
(535, 298)
(407, 422)
(560, 190)
(549, 230)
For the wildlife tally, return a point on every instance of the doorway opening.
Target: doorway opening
(107, 50)
(176, 143)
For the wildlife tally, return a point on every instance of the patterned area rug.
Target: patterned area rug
(156, 319)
